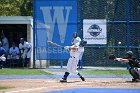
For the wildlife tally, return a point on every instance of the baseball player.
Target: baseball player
(2, 56)
(25, 49)
(77, 39)
(5, 43)
(14, 51)
(75, 51)
(134, 64)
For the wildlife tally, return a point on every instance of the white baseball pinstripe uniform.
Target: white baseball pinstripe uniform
(74, 59)
(25, 47)
(76, 40)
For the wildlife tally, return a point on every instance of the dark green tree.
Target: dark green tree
(16, 7)
(26, 8)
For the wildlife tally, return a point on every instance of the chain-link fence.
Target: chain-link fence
(123, 25)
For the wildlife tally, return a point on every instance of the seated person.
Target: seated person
(13, 55)
(14, 52)
(2, 56)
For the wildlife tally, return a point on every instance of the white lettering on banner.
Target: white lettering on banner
(54, 15)
(54, 50)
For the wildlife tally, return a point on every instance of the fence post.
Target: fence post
(128, 25)
(61, 65)
(34, 35)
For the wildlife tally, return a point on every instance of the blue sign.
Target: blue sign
(56, 21)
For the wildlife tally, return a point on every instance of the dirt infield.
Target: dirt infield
(47, 85)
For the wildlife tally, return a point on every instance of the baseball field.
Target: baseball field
(47, 81)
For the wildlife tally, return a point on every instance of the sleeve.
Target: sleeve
(28, 45)
(17, 49)
(79, 39)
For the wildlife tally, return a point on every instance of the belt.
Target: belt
(72, 57)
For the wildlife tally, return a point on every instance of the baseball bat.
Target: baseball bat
(55, 44)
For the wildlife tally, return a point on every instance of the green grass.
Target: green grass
(5, 87)
(105, 72)
(23, 72)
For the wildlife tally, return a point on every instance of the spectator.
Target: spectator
(2, 56)
(5, 43)
(25, 50)
(13, 56)
(14, 51)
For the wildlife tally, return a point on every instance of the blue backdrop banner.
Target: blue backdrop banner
(56, 21)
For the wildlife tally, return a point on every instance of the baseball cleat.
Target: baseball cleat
(82, 78)
(63, 80)
(135, 80)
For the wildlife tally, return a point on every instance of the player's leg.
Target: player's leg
(82, 78)
(23, 57)
(74, 69)
(138, 71)
(64, 79)
(0, 64)
(28, 58)
(27, 62)
(134, 74)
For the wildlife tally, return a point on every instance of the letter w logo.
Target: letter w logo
(54, 15)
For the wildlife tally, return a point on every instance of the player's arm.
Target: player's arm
(73, 47)
(28, 46)
(21, 48)
(113, 57)
(121, 60)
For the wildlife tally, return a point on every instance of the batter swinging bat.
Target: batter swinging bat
(55, 44)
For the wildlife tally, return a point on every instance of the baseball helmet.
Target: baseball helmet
(75, 34)
(128, 54)
(83, 43)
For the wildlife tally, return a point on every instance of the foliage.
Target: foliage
(15, 7)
